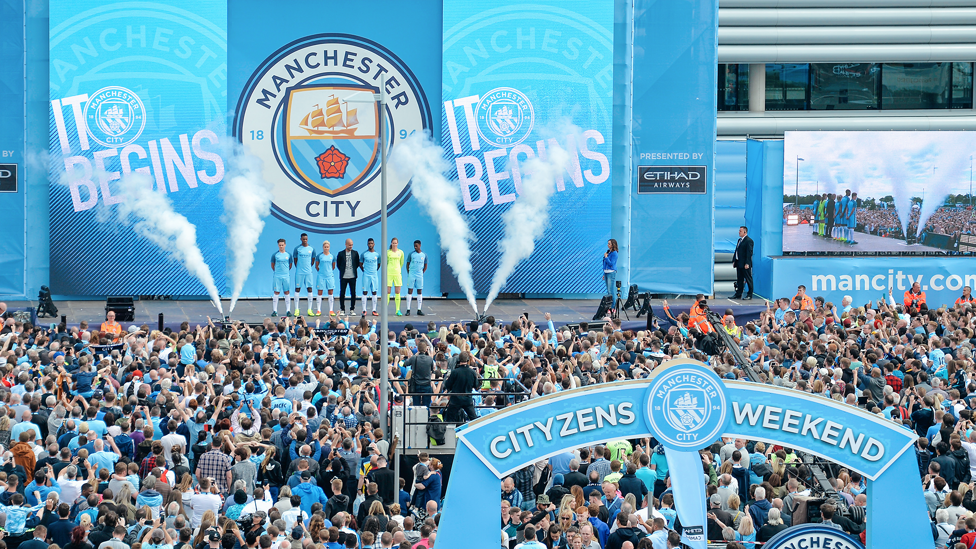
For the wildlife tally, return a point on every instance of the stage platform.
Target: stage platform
(438, 310)
(800, 238)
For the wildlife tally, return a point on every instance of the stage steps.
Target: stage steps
(724, 276)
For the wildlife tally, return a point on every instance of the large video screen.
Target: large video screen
(878, 192)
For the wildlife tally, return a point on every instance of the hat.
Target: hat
(115, 430)
(715, 499)
(83, 428)
(542, 499)
(240, 497)
(261, 515)
(811, 361)
(297, 533)
(408, 327)
(306, 475)
(157, 534)
(99, 394)
(823, 372)
(133, 329)
(213, 536)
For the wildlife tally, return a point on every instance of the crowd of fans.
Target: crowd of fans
(949, 221)
(910, 365)
(269, 435)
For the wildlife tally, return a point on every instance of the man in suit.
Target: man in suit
(347, 263)
(742, 261)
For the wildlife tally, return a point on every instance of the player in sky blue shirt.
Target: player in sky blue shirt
(371, 278)
(281, 267)
(303, 258)
(840, 220)
(416, 267)
(325, 280)
(851, 218)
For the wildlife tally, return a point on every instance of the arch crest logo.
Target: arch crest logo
(687, 407)
(505, 117)
(115, 116)
(310, 113)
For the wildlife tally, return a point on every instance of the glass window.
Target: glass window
(844, 85)
(787, 86)
(962, 85)
(915, 86)
(733, 87)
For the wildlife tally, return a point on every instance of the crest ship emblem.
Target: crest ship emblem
(332, 148)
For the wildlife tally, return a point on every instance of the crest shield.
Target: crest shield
(331, 135)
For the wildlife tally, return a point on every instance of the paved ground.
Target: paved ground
(800, 238)
(563, 311)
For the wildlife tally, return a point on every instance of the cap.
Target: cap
(542, 499)
(306, 475)
(115, 430)
(297, 533)
(133, 329)
(83, 428)
(715, 499)
(157, 534)
(823, 371)
(213, 536)
(261, 515)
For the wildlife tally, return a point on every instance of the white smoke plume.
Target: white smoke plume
(527, 219)
(894, 165)
(942, 181)
(152, 216)
(247, 202)
(419, 157)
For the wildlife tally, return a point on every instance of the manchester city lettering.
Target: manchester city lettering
(310, 112)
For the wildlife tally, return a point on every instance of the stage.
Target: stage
(438, 310)
(800, 238)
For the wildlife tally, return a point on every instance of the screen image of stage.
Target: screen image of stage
(878, 192)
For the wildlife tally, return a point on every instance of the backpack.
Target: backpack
(540, 487)
(437, 431)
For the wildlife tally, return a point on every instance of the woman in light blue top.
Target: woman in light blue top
(610, 266)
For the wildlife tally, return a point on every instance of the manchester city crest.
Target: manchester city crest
(311, 113)
(114, 116)
(505, 117)
(686, 406)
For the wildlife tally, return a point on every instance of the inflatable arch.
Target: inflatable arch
(686, 407)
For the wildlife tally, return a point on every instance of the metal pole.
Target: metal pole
(970, 182)
(384, 292)
(796, 197)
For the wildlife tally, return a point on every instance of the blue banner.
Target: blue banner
(517, 80)
(868, 278)
(134, 86)
(12, 160)
(301, 82)
(675, 54)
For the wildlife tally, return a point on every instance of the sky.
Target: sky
(875, 164)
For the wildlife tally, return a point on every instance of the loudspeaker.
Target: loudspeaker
(604, 307)
(632, 297)
(45, 305)
(123, 306)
